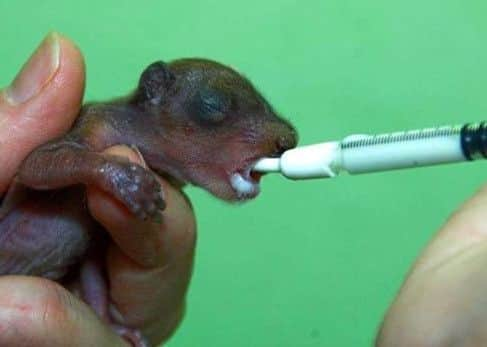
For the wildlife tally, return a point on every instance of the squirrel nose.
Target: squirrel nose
(286, 141)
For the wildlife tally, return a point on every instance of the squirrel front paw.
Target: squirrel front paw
(135, 186)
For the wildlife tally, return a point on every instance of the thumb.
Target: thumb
(41, 103)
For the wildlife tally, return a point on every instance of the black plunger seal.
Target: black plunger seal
(473, 139)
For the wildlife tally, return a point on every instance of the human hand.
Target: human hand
(443, 300)
(149, 270)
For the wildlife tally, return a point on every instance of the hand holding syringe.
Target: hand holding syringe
(366, 153)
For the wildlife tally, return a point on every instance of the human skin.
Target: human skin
(443, 299)
(40, 105)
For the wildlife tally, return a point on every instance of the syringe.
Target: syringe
(358, 154)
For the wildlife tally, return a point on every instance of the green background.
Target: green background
(307, 263)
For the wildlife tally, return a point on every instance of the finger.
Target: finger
(38, 312)
(148, 291)
(41, 103)
(465, 229)
(443, 295)
(142, 240)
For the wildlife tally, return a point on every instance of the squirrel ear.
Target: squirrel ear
(154, 83)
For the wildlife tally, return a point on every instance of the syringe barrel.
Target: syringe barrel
(358, 154)
(402, 150)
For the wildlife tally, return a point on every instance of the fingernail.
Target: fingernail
(136, 150)
(115, 314)
(36, 72)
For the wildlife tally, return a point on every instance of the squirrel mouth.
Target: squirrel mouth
(246, 183)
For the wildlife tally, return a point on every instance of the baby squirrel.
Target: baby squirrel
(193, 120)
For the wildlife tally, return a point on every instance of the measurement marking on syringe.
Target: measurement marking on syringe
(413, 135)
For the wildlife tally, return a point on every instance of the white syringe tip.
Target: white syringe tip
(312, 161)
(268, 165)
